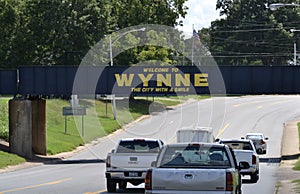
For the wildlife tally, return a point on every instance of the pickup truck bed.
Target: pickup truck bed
(183, 180)
(193, 168)
(244, 150)
(130, 162)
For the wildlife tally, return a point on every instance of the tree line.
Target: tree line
(251, 33)
(60, 32)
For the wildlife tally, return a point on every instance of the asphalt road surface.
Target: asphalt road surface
(230, 117)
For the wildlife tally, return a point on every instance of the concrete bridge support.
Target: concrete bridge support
(27, 127)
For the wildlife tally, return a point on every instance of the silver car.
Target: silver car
(259, 141)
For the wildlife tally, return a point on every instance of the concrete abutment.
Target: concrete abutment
(27, 127)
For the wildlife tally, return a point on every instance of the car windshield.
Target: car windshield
(254, 137)
(138, 146)
(195, 156)
(239, 145)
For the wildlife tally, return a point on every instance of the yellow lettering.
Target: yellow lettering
(164, 79)
(201, 79)
(182, 80)
(146, 79)
(123, 79)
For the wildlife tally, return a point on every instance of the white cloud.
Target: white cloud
(200, 14)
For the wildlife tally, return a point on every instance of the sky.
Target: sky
(200, 14)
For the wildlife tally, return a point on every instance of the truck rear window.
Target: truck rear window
(195, 156)
(239, 145)
(138, 147)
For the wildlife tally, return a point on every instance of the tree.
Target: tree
(60, 32)
(8, 22)
(252, 34)
(54, 32)
(136, 12)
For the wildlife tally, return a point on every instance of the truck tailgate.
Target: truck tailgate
(189, 179)
(243, 155)
(132, 161)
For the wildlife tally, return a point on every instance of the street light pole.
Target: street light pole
(112, 64)
(295, 54)
(111, 43)
(275, 6)
(110, 52)
(295, 47)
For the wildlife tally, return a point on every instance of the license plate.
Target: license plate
(133, 174)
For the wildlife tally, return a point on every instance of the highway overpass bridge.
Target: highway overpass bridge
(30, 85)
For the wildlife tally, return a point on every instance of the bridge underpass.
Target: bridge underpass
(30, 86)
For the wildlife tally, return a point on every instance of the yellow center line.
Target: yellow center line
(247, 103)
(257, 101)
(280, 102)
(35, 186)
(222, 130)
(274, 103)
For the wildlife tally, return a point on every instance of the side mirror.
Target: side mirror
(266, 138)
(153, 164)
(259, 151)
(243, 165)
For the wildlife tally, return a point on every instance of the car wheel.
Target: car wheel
(111, 185)
(122, 184)
(254, 177)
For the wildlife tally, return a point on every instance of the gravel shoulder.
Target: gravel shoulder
(290, 153)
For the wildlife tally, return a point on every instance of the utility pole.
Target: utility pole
(295, 47)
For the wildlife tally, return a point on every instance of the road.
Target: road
(230, 117)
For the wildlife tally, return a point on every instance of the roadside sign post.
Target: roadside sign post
(112, 98)
(74, 111)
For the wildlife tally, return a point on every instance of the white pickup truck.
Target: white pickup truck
(130, 161)
(244, 150)
(194, 168)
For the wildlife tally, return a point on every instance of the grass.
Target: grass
(297, 186)
(7, 159)
(98, 122)
(297, 165)
(4, 118)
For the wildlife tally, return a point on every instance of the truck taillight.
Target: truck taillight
(229, 181)
(148, 183)
(262, 142)
(253, 159)
(108, 162)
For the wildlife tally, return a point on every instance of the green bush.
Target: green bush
(4, 119)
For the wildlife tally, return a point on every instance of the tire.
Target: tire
(122, 185)
(111, 185)
(254, 177)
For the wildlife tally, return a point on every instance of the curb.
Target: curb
(289, 155)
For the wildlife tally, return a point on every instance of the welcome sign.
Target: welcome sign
(140, 80)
